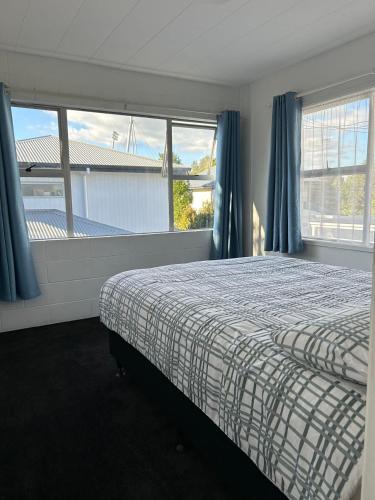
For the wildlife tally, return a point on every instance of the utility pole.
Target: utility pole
(164, 167)
(115, 136)
(131, 136)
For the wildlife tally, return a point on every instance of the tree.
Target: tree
(176, 158)
(185, 216)
(187, 219)
(204, 217)
(182, 199)
(352, 194)
(204, 166)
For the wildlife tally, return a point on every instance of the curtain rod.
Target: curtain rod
(46, 97)
(337, 84)
(331, 85)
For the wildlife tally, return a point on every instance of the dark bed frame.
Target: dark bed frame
(233, 466)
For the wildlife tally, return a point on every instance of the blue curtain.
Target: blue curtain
(17, 275)
(227, 234)
(283, 227)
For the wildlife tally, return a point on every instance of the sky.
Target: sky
(323, 144)
(97, 128)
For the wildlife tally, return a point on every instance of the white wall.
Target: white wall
(344, 62)
(135, 202)
(201, 197)
(91, 85)
(71, 272)
(79, 201)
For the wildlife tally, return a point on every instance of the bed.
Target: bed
(210, 329)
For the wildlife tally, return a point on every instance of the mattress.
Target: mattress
(208, 327)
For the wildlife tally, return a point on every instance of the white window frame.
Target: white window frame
(366, 169)
(64, 172)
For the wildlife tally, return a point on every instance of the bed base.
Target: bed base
(233, 466)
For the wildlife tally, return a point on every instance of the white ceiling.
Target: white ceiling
(227, 41)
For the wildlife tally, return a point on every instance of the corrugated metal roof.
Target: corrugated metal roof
(51, 223)
(46, 151)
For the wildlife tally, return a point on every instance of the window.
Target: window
(43, 175)
(194, 172)
(337, 171)
(116, 171)
(86, 173)
(42, 189)
(39, 126)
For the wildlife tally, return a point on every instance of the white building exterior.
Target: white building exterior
(121, 190)
(135, 202)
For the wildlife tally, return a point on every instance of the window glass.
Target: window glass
(333, 207)
(336, 171)
(194, 151)
(118, 173)
(40, 189)
(44, 203)
(336, 136)
(194, 154)
(36, 133)
(193, 204)
(116, 179)
(37, 141)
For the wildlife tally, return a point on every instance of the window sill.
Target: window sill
(118, 236)
(337, 244)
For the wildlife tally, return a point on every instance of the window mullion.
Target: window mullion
(64, 148)
(170, 174)
(369, 174)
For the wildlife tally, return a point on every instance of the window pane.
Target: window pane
(193, 204)
(371, 229)
(40, 189)
(118, 172)
(44, 202)
(37, 138)
(334, 145)
(336, 136)
(333, 207)
(194, 151)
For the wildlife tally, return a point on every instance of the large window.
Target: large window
(337, 178)
(87, 173)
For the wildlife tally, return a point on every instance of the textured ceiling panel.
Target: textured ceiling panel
(227, 41)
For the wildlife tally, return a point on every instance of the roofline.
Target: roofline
(35, 138)
(86, 144)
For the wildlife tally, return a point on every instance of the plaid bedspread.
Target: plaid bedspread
(207, 326)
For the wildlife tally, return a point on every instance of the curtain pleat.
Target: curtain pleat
(17, 274)
(227, 233)
(283, 227)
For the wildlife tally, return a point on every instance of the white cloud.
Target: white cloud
(50, 128)
(98, 128)
(337, 131)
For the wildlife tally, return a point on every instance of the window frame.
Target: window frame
(172, 176)
(367, 169)
(65, 171)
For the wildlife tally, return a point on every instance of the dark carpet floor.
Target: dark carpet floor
(70, 429)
